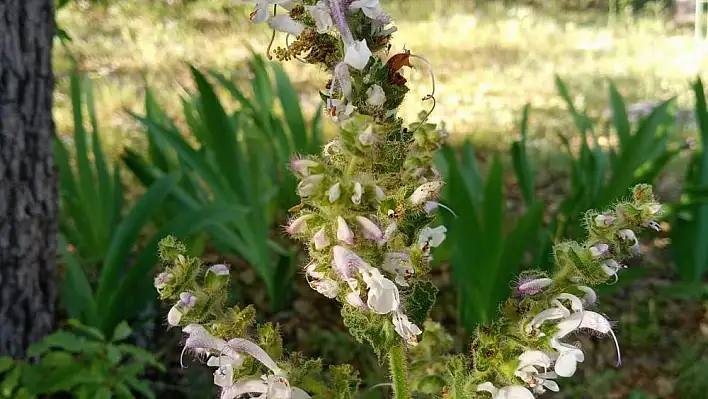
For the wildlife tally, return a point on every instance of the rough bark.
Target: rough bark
(28, 207)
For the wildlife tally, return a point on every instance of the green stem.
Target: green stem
(399, 372)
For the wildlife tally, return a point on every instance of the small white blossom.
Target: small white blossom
(375, 96)
(604, 220)
(299, 225)
(425, 192)
(590, 296)
(309, 184)
(431, 237)
(302, 167)
(599, 250)
(628, 235)
(224, 376)
(379, 192)
(568, 358)
(509, 392)
(407, 330)
(528, 370)
(369, 229)
(284, 23)
(556, 312)
(219, 270)
(344, 233)
(533, 286)
(321, 14)
(174, 316)
(334, 192)
(326, 287)
(345, 262)
(400, 264)
(370, 8)
(367, 137)
(383, 294)
(358, 192)
(357, 54)
(261, 12)
(354, 298)
(162, 279)
(341, 110)
(390, 230)
(320, 239)
(611, 267)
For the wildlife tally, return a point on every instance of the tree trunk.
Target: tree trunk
(28, 201)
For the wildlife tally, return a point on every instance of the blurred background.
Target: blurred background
(553, 107)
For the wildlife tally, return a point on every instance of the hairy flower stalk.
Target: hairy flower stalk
(367, 202)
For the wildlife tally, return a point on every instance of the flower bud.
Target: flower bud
(302, 167)
(425, 192)
(187, 300)
(370, 230)
(174, 316)
(299, 225)
(532, 286)
(357, 54)
(604, 220)
(219, 270)
(162, 280)
(344, 233)
(375, 96)
(309, 184)
(379, 192)
(628, 235)
(320, 239)
(367, 137)
(334, 192)
(358, 192)
(599, 250)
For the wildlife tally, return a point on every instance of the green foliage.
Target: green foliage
(80, 361)
(600, 176)
(240, 163)
(97, 239)
(485, 255)
(689, 232)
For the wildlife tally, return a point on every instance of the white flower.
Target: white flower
(604, 220)
(527, 370)
(383, 293)
(321, 14)
(367, 137)
(379, 192)
(431, 237)
(309, 184)
(174, 316)
(599, 250)
(533, 286)
(284, 23)
(224, 376)
(298, 225)
(217, 361)
(375, 96)
(260, 12)
(357, 54)
(344, 233)
(326, 287)
(162, 279)
(510, 392)
(370, 8)
(334, 192)
(346, 261)
(399, 264)
(611, 267)
(590, 296)
(568, 358)
(358, 192)
(558, 311)
(390, 230)
(310, 271)
(219, 270)
(654, 209)
(628, 235)
(302, 167)
(590, 320)
(407, 330)
(320, 239)
(341, 110)
(370, 230)
(354, 298)
(342, 76)
(425, 192)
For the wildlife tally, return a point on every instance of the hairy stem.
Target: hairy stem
(399, 372)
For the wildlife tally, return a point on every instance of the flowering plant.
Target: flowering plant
(368, 202)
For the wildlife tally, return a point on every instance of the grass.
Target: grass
(488, 62)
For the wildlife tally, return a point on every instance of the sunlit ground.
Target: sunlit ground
(488, 63)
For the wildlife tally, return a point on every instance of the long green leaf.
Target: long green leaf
(291, 107)
(619, 116)
(127, 234)
(76, 293)
(493, 214)
(523, 167)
